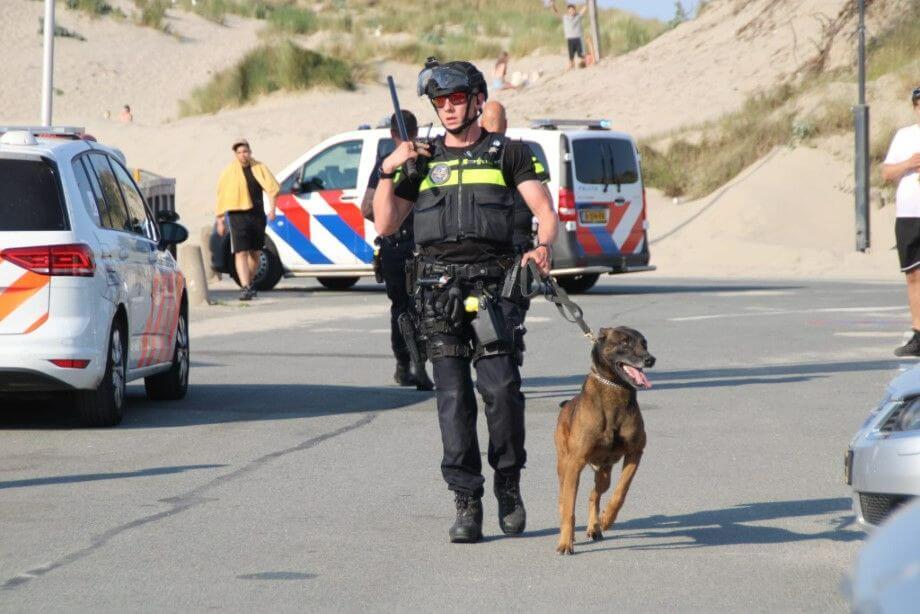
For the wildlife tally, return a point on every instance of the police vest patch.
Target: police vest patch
(439, 174)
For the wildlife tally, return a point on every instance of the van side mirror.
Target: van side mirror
(172, 233)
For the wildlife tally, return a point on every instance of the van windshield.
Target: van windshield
(30, 198)
(605, 161)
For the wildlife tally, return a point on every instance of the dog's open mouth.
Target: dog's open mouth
(634, 375)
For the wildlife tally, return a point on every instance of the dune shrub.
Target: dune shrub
(268, 69)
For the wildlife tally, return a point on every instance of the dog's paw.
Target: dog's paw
(595, 533)
(566, 547)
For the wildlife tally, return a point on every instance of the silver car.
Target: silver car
(883, 461)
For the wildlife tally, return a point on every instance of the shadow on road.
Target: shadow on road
(727, 377)
(222, 403)
(95, 477)
(726, 527)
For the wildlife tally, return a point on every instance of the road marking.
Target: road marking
(881, 334)
(743, 293)
(785, 312)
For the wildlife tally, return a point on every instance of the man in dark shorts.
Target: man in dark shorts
(902, 165)
(241, 210)
(395, 251)
(572, 28)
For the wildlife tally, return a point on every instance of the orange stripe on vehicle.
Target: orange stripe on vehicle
(179, 283)
(20, 291)
(36, 324)
(144, 340)
(158, 328)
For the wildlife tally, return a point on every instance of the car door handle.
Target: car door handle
(346, 198)
(123, 253)
(619, 201)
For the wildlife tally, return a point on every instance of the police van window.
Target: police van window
(335, 168)
(537, 151)
(87, 195)
(140, 221)
(118, 213)
(31, 197)
(104, 217)
(605, 161)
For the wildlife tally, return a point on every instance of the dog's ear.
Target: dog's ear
(603, 333)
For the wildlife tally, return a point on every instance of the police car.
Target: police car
(595, 181)
(90, 296)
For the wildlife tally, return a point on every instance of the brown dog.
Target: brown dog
(599, 426)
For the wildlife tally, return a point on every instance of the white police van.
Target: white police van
(90, 296)
(594, 177)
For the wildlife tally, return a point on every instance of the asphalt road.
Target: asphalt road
(296, 477)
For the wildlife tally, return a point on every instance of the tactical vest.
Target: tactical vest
(465, 197)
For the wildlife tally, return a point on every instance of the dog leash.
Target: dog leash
(568, 309)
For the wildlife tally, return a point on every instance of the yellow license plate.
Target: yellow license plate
(594, 216)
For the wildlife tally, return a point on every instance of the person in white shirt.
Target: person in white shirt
(902, 165)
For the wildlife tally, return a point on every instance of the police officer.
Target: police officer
(395, 251)
(463, 201)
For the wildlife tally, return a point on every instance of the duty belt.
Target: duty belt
(482, 270)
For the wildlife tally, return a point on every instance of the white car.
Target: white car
(595, 180)
(90, 296)
(882, 463)
(886, 576)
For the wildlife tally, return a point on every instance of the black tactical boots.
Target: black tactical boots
(512, 517)
(467, 527)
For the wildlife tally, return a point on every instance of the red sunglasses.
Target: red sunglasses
(456, 99)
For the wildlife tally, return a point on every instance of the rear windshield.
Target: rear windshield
(605, 161)
(30, 198)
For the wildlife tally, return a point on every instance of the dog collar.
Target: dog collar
(603, 380)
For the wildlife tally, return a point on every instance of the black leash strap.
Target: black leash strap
(568, 309)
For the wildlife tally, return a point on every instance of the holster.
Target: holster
(378, 263)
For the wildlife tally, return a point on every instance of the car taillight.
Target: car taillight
(567, 210)
(73, 260)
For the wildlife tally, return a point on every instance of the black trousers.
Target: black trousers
(393, 257)
(498, 380)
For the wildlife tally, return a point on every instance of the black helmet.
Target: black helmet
(442, 79)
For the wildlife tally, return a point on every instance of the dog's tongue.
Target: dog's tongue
(637, 376)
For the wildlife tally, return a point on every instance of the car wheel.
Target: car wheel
(338, 283)
(576, 284)
(270, 269)
(173, 384)
(105, 406)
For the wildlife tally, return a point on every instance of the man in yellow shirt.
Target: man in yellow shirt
(241, 210)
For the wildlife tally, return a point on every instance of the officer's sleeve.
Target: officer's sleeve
(407, 188)
(374, 178)
(518, 164)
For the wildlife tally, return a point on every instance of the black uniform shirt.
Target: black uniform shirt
(255, 190)
(517, 167)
